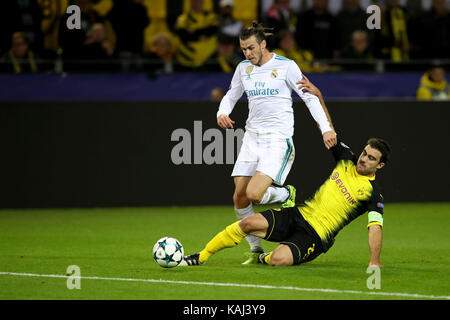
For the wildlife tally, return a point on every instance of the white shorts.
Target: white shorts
(266, 153)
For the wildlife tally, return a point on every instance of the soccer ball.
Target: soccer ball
(168, 252)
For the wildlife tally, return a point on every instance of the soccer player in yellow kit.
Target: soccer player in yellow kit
(307, 230)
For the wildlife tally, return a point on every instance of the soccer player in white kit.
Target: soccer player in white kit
(267, 150)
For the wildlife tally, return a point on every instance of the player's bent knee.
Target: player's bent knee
(254, 196)
(282, 257)
(240, 199)
(246, 225)
(254, 223)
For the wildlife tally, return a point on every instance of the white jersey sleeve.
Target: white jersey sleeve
(233, 94)
(312, 102)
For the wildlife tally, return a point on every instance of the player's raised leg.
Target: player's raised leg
(275, 161)
(284, 195)
(261, 190)
(231, 236)
(257, 187)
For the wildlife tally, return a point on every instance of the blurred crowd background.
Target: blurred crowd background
(171, 36)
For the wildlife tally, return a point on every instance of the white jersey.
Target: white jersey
(269, 89)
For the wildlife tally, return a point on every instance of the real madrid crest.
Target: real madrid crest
(274, 74)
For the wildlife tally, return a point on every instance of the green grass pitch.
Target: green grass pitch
(113, 244)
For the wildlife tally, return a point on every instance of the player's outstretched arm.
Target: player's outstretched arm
(329, 137)
(375, 243)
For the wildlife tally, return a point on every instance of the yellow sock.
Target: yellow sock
(267, 258)
(230, 237)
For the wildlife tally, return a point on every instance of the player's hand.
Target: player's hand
(225, 122)
(329, 139)
(306, 85)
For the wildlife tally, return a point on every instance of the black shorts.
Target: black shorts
(287, 226)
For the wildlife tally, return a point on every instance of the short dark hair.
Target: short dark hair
(257, 30)
(382, 146)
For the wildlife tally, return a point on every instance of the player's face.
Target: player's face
(252, 49)
(369, 161)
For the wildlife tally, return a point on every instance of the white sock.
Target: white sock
(253, 241)
(275, 194)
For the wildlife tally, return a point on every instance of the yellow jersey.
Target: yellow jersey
(344, 196)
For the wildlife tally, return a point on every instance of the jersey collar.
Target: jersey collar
(269, 61)
(362, 176)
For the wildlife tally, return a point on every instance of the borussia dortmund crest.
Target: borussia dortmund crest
(274, 74)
